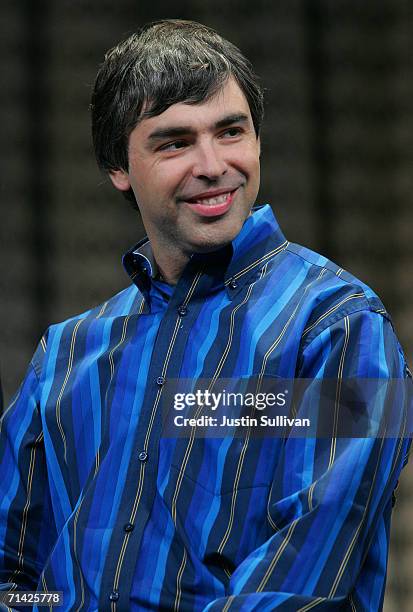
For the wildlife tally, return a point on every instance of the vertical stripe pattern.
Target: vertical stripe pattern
(97, 502)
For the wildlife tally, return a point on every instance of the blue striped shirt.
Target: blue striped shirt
(97, 503)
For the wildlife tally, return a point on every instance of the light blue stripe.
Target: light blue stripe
(266, 321)
(145, 354)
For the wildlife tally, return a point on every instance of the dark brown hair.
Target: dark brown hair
(166, 62)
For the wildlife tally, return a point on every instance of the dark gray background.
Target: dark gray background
(336, 160)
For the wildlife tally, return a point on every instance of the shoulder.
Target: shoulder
(59, 337)
(328, 293)
(341, 311)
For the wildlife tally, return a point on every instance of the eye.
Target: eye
(173, 146)
(232, 132)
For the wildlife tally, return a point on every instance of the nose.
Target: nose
(209, 162)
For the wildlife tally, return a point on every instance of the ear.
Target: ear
(120, 179)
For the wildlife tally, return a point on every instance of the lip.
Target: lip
(212, 210)
(211, 193)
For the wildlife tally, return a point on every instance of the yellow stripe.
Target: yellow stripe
(228, 604)
(215, 377)
(44, 583)
(338, 392)
(269, 517)
(235, 485)
(112, 352)
(230, 336)
(27, 505)
(231, 329)
(102, 310)
(352, 543)
(141, 305)
(354, 296)
(112, 369)
(336, 408)
(227, 572)
(97, 462)
(76, 558)
(68, 372)
(213, 380)
(277, 556)
(235, 491)
(310, 496)
(313, 604)
(120, 562)
(356, 533)
(146, 443)
(45, 589)
(257, 262)
(280, 336)
(178, 582)
(185, 302)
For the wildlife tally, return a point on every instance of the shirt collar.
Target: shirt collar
(144, 258)
(233, 265)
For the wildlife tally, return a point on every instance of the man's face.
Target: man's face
(194, 171)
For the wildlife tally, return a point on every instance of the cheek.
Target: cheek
(173, 175)
(248, 159)
(167, 178)
(251, 165)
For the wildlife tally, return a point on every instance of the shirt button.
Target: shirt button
(182, 311)
(114, 596)
(233, 284)
(143, 456)
(129, 527)
(160, 381)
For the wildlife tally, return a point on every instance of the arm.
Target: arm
(330, 502)
(26, 523)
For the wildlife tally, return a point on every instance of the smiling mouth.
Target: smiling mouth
(220, 199)
(213, 206)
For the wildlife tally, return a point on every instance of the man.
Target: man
(97, 502)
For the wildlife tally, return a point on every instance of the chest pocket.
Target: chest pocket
(220, 465)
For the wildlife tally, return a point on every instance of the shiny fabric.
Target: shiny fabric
(96, 502)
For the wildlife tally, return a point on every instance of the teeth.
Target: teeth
(211, 201)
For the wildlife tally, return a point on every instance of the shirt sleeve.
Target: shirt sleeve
(331, 498)
(26, 524)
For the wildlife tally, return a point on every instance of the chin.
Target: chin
(221, 233)
(211, 244)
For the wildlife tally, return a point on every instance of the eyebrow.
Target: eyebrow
(174, 132)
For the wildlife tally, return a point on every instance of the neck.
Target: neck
(171, 267)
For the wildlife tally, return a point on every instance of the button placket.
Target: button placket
(161, 349)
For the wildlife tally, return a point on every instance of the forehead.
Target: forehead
(228, 100)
